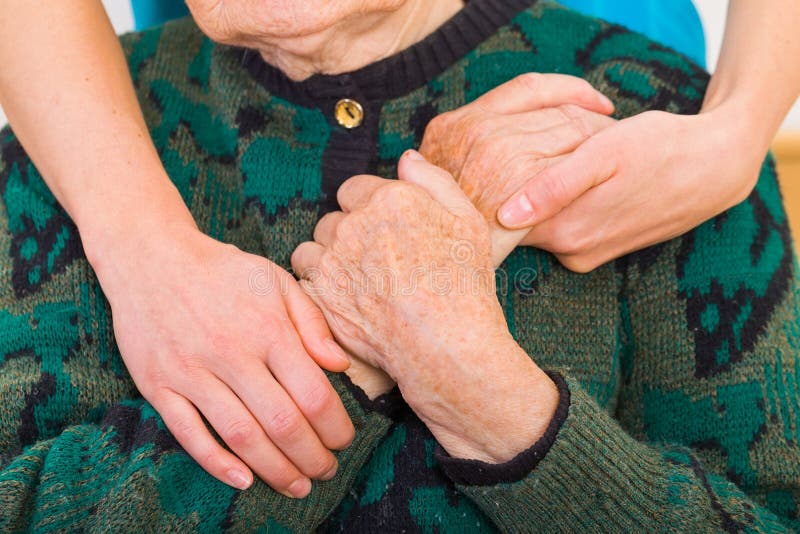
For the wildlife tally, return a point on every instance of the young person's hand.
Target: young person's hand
(655, 176)
(496, 144)
(641, 181)
(206, 329)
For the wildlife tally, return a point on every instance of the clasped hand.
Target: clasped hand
(404, 274)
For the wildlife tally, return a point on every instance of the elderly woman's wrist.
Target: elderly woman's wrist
(518, 417)
(487, 402)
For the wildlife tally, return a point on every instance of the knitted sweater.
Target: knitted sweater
(680, 403)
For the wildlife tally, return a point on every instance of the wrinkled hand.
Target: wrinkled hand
(642, 181)
(205, 328)
(496, 144)
(405, 278)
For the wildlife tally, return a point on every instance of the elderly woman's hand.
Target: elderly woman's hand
(494, 145)
(205, 328)
(406, 281)
(642, 181)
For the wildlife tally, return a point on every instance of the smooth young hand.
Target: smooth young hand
(206, 329)
(641, 181)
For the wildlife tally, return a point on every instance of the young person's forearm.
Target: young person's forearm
(66, 89)
(757, 73)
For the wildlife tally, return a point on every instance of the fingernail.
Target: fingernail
(239, 480)
(605, 100)
(516, 212)
(331, 473)
(300, 488)
(414, 155)
(337, 351)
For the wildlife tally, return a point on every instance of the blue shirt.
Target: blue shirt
(675, 23)
(147, 13)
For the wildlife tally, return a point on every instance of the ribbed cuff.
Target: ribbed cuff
(594, 476)
(475, 472)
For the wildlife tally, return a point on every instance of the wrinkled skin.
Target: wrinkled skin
(246, 21)
(440, 332)
(492, 147)
(496, 144)
(307, 37)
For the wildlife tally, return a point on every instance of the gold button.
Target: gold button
(349, 113)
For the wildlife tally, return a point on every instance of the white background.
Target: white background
(711, 11)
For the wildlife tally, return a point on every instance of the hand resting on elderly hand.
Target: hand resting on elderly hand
(496, 144)
(492, 146)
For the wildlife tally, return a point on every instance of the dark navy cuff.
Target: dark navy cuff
(477, 473)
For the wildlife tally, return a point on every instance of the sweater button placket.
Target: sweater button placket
(349, 113)
(352, 145)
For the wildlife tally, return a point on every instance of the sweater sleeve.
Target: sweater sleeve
(596, 477)
(79, 448)
(126, 471)
(704, 435)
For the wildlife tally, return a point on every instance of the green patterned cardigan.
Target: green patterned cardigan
(681, 360)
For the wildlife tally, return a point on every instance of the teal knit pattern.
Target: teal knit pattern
(681, 360)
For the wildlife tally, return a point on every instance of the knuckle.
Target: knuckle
(239, 433)
(323, 463)
(153, 384)
(394, 193)
(345, 229)
(182, 429)
(274, 325)
(209, 459)
(578, 264)
(554, 191)
(318, 399)
(281, 476)
(563, 242)
(297, 256)
(222, 345)
(581, 85)
(530, 81)
(285, 425)
(190, 367)
(344, 191)
(438, 124)
(310, 314)
(345, 434)
(327, 220)
(571, 242)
